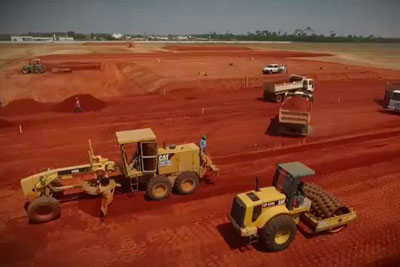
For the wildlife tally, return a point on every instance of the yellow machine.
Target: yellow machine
(270, 214)
(161, 169)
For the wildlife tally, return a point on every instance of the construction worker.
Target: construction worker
(203, 144)
(78, 107)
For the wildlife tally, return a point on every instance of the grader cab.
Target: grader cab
(270, 214)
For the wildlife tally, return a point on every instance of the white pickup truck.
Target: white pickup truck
(392, 97)
(274, 68)
(299, 84)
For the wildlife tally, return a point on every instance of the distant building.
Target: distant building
(31, 39)
(182, 37)
(117, 35)
(66, 39)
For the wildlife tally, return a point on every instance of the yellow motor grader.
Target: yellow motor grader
(176, 166)
(270, 214)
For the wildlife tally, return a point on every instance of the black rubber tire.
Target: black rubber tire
(39, 70)
(159, 182)
(182, 181)
(278, 98)
(278, 224)
(51, 206)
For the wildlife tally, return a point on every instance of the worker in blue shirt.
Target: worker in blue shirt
(203, 144)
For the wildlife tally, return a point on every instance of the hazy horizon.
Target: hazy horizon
(360, 17)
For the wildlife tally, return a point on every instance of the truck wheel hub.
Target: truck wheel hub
(282, 236)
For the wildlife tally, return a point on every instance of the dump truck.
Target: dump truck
(277, 92)
(273, 68)
(391, 100)
(34, 66)
(295, 115)
(160, 169)
(269, 215)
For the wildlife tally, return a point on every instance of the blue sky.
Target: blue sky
(377, 17)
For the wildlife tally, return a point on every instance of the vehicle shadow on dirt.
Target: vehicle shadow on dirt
(231, 236)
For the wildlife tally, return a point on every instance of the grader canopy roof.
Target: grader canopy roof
(135, 136)
(297, 169)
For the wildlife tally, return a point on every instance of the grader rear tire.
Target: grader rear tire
(187, 183)
(278, 233)
(43, 209)
(159, 188)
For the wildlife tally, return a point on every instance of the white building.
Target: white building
(31, 39)
(66, 39)
(117, 35)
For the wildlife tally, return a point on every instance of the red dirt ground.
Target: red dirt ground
(354, 149)
(206, 48)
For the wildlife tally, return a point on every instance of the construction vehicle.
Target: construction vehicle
(391, 101)
(295, 115)
(269, 215)
(273, 68)
(176, 166)
(34, 66)
(277, 92)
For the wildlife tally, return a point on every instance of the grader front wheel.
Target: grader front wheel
(278, 233)
(43, 209)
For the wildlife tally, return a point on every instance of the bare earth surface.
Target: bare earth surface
(354, 149)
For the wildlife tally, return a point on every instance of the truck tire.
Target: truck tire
(187, 183)
(278, 233)
(278, 98)
(43, 209)
(159, 188)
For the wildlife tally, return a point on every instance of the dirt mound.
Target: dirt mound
(205, 48)
(24, 107)
(4, 123)
(88, 103)
(297, 103)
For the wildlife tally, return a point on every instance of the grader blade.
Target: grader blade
(107, 198)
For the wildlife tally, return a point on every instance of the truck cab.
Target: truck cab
(394, 101)
(308, 85)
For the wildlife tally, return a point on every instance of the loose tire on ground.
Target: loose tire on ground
(43, 209)
(187, 183)
(159, 188)
(278, 233)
